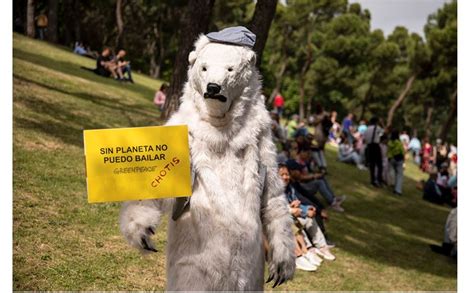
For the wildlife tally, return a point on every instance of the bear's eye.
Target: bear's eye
(230, 69)
(204, 68)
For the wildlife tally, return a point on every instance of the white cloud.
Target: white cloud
(412, 14)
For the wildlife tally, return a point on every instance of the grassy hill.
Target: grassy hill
(61, 242)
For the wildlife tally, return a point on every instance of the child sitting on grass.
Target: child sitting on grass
(305, 222)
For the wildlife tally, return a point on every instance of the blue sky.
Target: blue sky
(412, 14)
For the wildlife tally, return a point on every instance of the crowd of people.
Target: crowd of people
(368, 146)
(303, 169)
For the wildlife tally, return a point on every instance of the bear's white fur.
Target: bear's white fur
(218, 243)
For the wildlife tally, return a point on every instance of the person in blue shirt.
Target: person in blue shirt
(362, 127)
(347, 127)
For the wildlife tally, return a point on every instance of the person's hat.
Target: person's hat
(294, 165)
(236, 35)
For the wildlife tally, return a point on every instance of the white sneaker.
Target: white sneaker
(325, 253)
(313, 258)
(362, 167)
(303, 264)
(336, 206)
(341, 199)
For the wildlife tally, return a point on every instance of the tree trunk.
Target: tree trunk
(443, 132)
(77, 21)
(429, 117)
(309, 107)
(302, 93)
(399, 100)
(119, 19)
(365, 101)
(195, 21)
(151, 47)
(68, 20)
(368, 94)
(304, 70)
(19, 17)
(30, 19)
(279, 79)
(52, 34)
(260, 25)
(161, 55)
(151, 51)
(281, 72)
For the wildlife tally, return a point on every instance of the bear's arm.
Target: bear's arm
(276, 217)
(139, 219)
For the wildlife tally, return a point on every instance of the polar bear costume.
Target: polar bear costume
(217, 242)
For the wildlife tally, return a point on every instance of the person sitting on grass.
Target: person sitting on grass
(347, 154)
(310, 199)
(431, 191)
(80, 49)
(305, 219)
(160, 96)
(105, 66)
(123, 67)
(449, 246)
(442, 181)
(313, 181)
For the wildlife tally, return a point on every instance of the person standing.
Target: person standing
(415, 147)
(373, 153)
(396, 156)
(426, 155)
(279, 104)
(405, 139)
(41, 24)
(362, 127)
(334, 132)
(347, 127)
(322, 126)
(440, 153)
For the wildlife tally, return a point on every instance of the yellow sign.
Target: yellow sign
(137, 163)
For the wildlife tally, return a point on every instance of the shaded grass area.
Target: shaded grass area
(61, 242)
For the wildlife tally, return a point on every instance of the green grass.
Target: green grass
(61, 242)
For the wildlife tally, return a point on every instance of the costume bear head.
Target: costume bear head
(223, 79)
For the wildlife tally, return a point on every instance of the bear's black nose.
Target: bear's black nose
(213, 89)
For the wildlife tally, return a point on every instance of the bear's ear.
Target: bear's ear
(251, 57)
(199, 44)
(192, 57)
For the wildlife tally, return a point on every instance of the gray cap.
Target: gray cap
(236, 35)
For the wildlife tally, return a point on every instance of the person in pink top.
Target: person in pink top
(160, 97)
(278, 104)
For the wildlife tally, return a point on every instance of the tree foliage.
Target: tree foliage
(317, 52)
